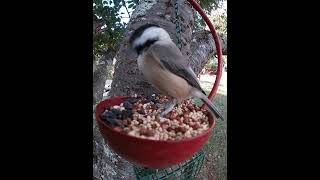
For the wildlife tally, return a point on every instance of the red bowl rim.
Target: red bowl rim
(151, 140)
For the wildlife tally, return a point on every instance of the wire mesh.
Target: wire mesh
(187, 170)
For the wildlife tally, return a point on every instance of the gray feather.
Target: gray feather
(172, 59)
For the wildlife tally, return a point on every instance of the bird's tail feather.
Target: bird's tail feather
(213, 108)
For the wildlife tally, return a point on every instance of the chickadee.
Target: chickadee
(165, 68)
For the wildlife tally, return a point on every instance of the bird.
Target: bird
(165, 68)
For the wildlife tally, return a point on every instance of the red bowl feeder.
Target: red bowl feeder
(145, 152)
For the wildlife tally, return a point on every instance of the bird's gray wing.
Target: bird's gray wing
(171, 59)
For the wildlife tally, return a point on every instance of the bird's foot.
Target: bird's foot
(168, 107)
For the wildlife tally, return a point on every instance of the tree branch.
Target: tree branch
(100, 75)
(203, 48)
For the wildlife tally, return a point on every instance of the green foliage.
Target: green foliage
(211, 8)
(220, 23)
(209, 5)
(109, 29)
(212, 64)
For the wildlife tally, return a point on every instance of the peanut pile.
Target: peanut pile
(140, 117)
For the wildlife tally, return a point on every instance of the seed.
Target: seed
(143, 119)
(154, 126)
(141, 111)
(125, 122)
(190, 107)
(140, 121)
(196, 126)
(180, 129)
(164, 125)
(168, 115)
(157, 118)
(131, 133)
(169, 129)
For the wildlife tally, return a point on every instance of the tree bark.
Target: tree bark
(203, 48)
(100, 75)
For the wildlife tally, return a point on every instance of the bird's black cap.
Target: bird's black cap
(138, 32)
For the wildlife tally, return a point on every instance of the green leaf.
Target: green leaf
(112, 34)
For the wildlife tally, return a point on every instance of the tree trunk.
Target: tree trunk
(100, 75)
(128, 80)
(203, 48)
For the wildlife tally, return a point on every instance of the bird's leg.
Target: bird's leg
(163, 105)
(168, 107)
